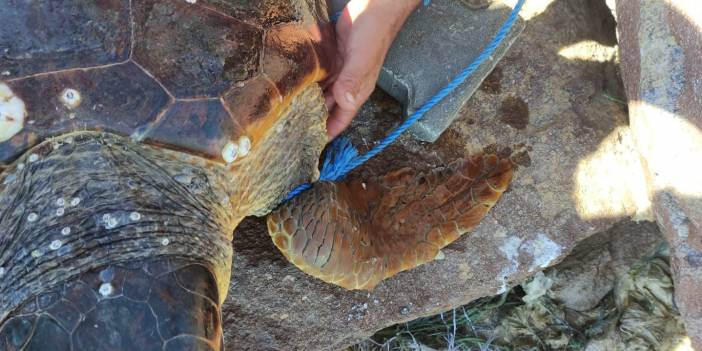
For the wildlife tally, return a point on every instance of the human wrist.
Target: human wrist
(402, 7)
(410, 5)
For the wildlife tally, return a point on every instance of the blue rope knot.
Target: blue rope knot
(341, 157)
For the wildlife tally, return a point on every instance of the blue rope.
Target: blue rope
(341, 157)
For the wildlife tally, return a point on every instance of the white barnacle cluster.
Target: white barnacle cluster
(109, 221)
(244, 146)
(75, 201)
(55, 245)
(230, 152)
(12, 113)
(106, 289)
(135, 216)
(33, 158)
(32, 217)
(233, 150)
(70, 98)
(66, 231)
(61, 206)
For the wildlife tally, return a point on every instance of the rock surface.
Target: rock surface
(552, 101)
(591, 270)
(662, 68)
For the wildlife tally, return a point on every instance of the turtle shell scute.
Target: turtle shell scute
(289, 58)
(109, 316)
(201, 319)
(264, 13)
(193, 51)
(39, 36)
(201, 127)
(119, 99)
(48, 335)
(16, 332)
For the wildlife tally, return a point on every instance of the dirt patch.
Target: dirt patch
(493, 82)
(514, 112)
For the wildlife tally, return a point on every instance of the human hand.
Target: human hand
(365, 30)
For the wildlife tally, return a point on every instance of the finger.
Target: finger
(347, 87)
(363, 57)
(348, 94)
(338, 121)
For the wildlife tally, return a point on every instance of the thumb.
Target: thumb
(347, 87)
(347, 95)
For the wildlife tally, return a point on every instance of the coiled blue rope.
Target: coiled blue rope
(341, 157)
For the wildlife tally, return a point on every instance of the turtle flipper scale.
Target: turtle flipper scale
(356, 234)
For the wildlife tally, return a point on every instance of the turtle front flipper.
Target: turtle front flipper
(356, 234)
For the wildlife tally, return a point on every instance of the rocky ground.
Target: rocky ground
(555, 102)
(613, 292)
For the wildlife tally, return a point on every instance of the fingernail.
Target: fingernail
(350, 98)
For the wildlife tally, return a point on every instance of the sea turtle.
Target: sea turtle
(135, 136)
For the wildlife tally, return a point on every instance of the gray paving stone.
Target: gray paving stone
(436, 43)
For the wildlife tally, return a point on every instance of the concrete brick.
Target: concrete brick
(435, 44)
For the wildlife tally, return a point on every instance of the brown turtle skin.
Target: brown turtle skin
(120, 190)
